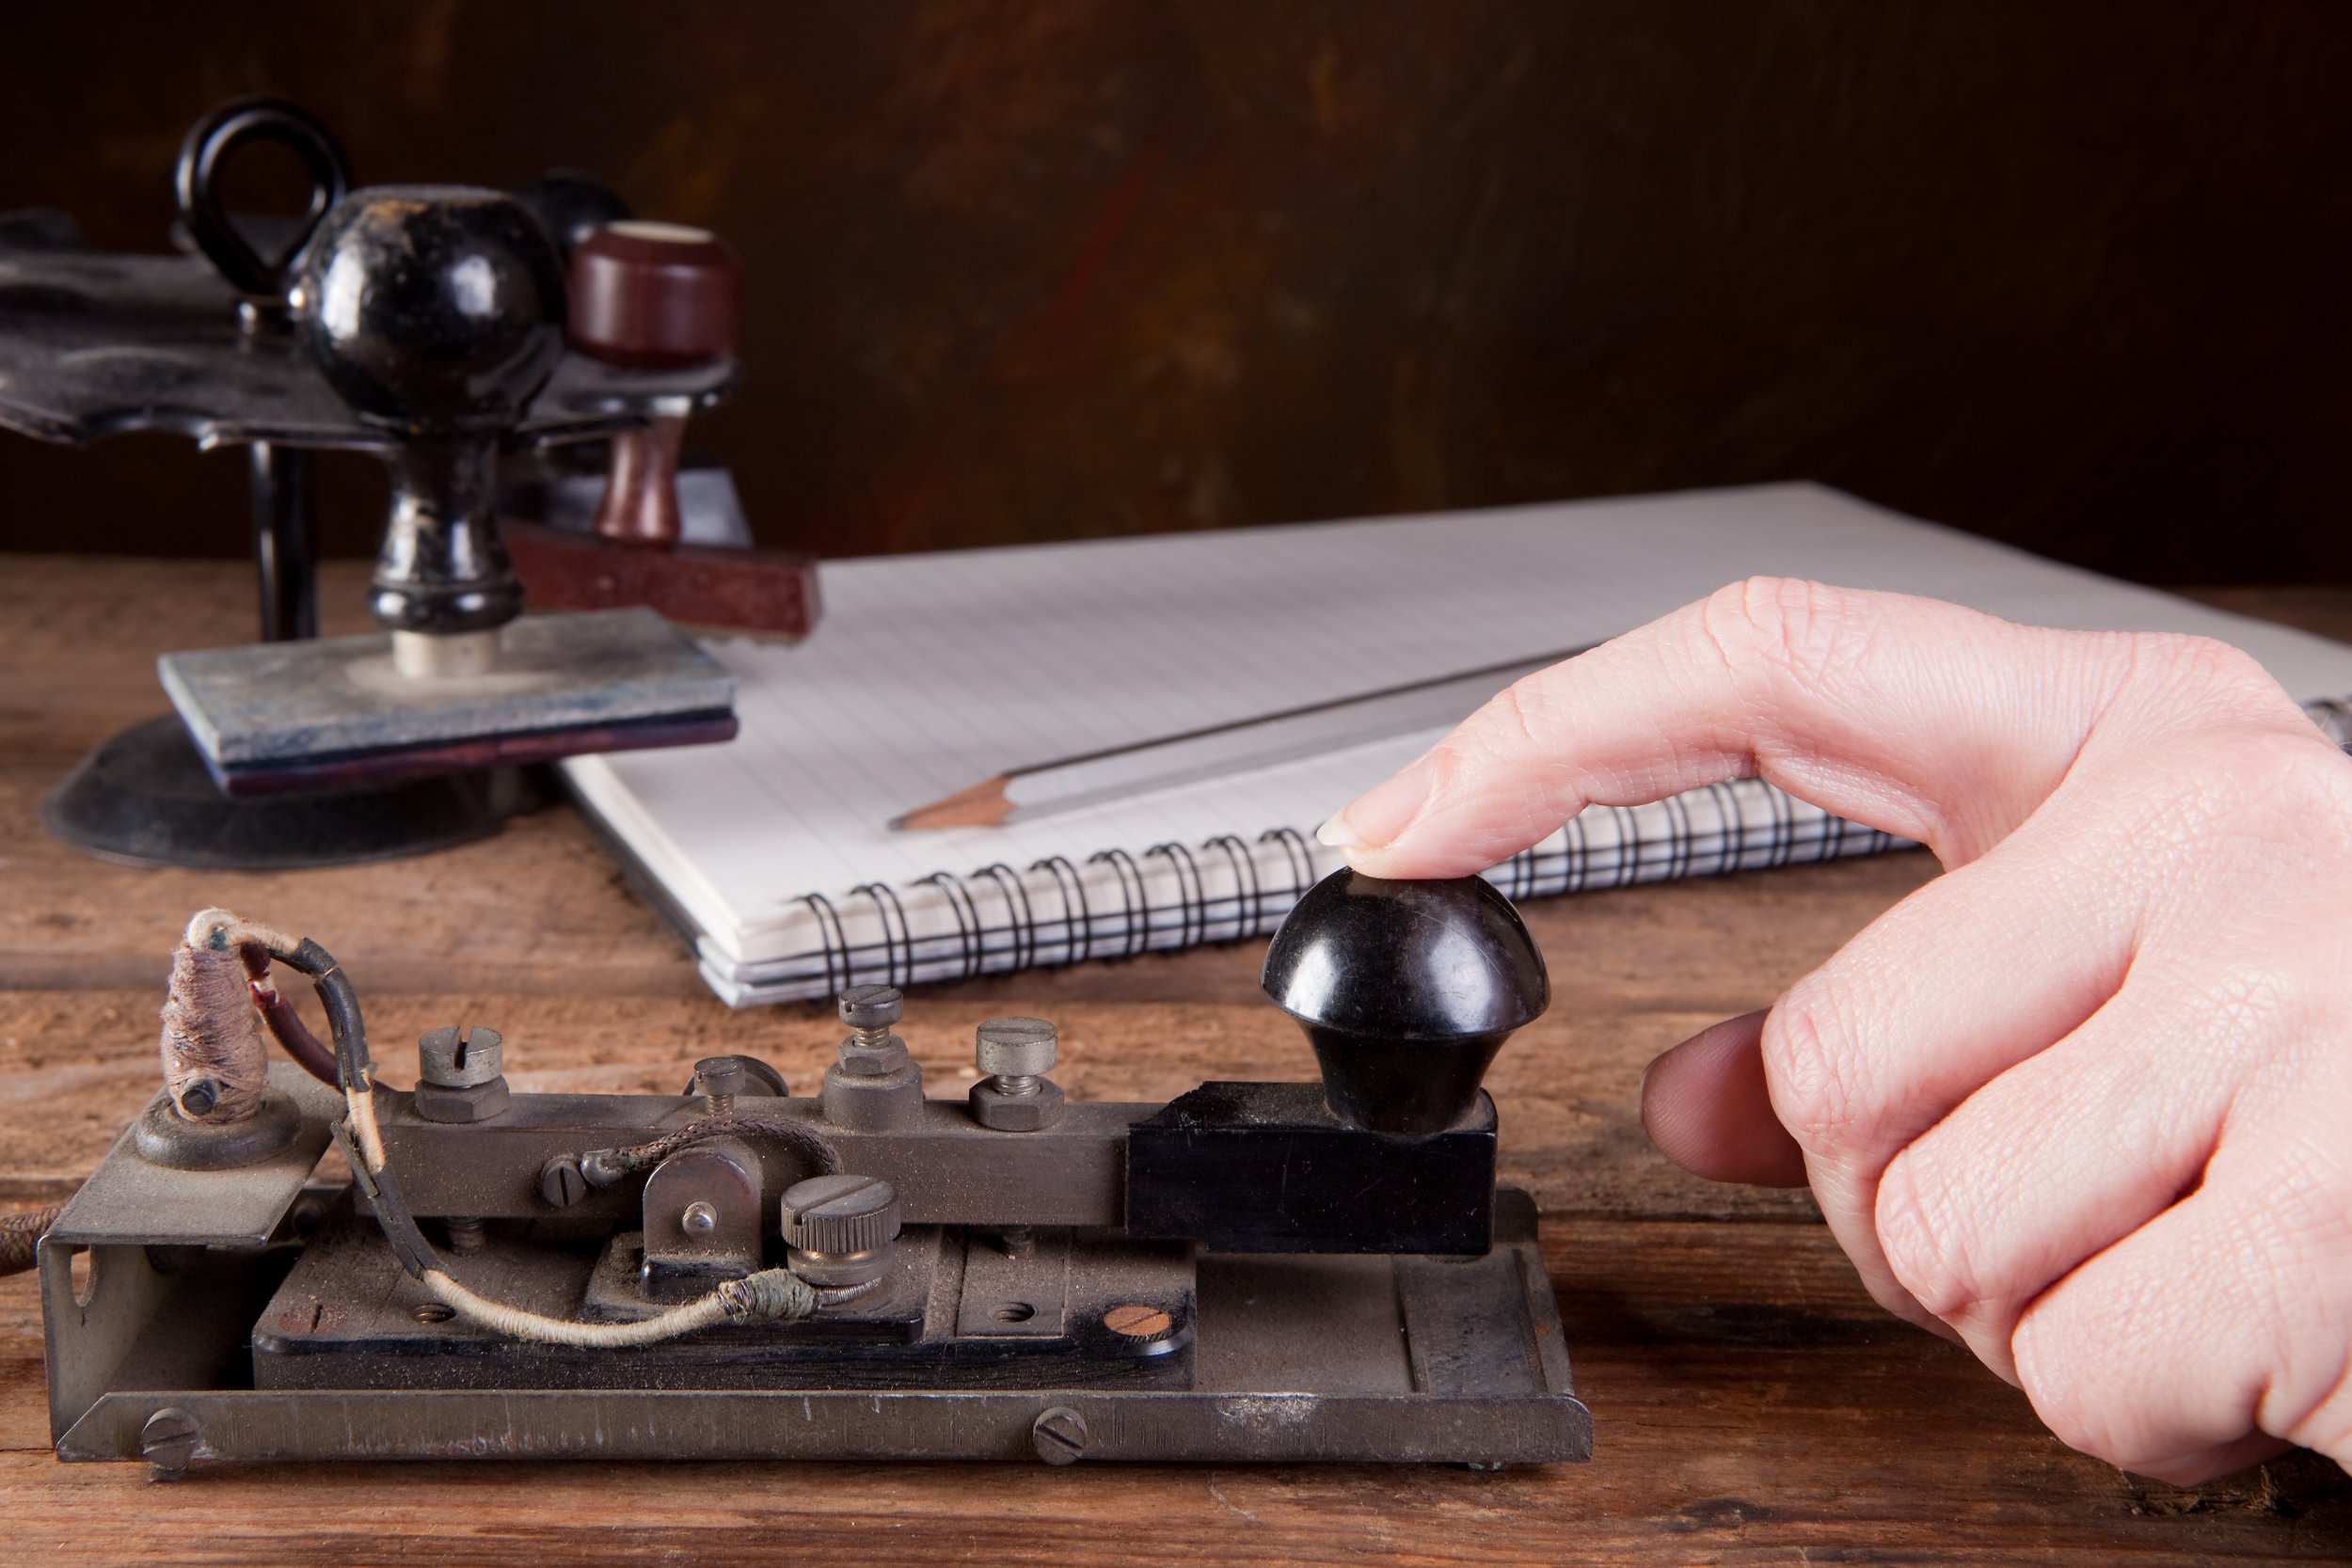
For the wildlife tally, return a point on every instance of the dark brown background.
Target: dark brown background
(2070, 275)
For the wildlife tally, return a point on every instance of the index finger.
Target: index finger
(1924, 719)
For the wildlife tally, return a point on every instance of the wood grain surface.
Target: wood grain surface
(1752, 1404)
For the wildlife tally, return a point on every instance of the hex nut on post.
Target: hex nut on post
(866, 1101)
(999, 1111)
(1060, 1435)
(1015, 1096)
(872, 1050)
(875, 1087)
(460, 1077)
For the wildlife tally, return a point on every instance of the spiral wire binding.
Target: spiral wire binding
(1020, 917)
(958, 894)
(1192, 894)
(1073, 893)
(1136, 905)
(829, 930)
(1302, 860)
(1248, 906)
(886, 902)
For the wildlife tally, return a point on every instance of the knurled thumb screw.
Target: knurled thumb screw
(840, 1213)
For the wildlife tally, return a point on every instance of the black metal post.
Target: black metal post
(285, 542)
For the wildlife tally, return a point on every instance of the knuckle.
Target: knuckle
(2296, 769)
(2182, 664)
(2305, 1214)
(1517, 719)
(1809, 1064)
(2066, 1377)
(1788, 627)
(2171, 681)
(1926, 1238)
(2242, 799)
(2236, 1009)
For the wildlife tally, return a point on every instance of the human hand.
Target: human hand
(2084, 1102)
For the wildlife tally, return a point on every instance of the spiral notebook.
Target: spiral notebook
(930, 672)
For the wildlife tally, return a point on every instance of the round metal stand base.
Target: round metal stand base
(143, 797)
(166, 1140)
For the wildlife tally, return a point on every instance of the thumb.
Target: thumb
(1706, 1105)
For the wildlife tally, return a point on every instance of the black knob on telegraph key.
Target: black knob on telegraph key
(1405, 989)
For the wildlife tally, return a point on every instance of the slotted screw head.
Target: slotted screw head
(1015, 1047)
(872, 1006)
(840, 1213)
(447, 1059)
(170, 1437)
(1060, 1435)
(561, 1182)
(723, 1075)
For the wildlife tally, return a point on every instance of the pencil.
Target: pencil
(1218, 749)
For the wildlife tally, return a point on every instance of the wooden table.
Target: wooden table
(1752, 1403)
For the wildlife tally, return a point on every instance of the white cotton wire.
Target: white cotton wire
(776, 1293)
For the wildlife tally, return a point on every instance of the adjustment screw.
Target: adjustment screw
(1015, 1052)
(865, 1007)
(840, 1213)
(447, 1059)
(870, 1011)
(170, 1438)
(1060, 1435)
(720, 1079)
(700, 1219)
(561, 1182)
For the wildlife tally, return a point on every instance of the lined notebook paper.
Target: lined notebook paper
(930, 672)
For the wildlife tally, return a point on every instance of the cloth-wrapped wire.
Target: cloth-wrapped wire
(775, 1293)
(602, 1167)
(21, 1234)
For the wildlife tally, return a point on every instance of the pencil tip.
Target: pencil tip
(982, 805)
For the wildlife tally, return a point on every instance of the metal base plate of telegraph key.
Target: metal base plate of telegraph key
(297, 716)
(973, 1355)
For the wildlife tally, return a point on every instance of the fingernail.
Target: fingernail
(1336, 833)
(1374, 818)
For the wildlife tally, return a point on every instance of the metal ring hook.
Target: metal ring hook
(196, 183)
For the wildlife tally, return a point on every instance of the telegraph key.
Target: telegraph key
(1253, 1271)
